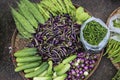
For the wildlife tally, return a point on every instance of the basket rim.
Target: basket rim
(117, 65)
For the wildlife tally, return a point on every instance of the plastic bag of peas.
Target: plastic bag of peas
(94, 34)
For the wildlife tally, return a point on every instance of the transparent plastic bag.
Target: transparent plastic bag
(111, 26)
(102, 44)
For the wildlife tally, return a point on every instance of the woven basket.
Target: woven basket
(116, 11)
(19, 43)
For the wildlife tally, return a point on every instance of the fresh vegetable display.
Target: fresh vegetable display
(54, 51)
(116, 23)
(94, 32)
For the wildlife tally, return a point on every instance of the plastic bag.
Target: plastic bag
(111, 26)
(102, 44)
(115, 32)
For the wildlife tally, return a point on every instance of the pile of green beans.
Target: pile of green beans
(113, 50)
(94, 32)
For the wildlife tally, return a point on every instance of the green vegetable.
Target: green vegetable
(43, 12)
(117, 76)
(50, 7)
(64, 69)
(40, 70)
(25, 12)
(28, 59)
(113, 50)
(58, 67)
(33, 10)
(70, 8)
(62, 77)
(114, 53)
(29, 70)
(20, 64)
(44, 74)
(23, 67)
(94, 32)
(42, 78)
(50, 68)
(69, 59)
(21, 30)
(27, 26)
(81, 15)
(26, 52)
(116, 23)
(61, 3)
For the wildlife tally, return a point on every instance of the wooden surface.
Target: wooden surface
(99, 8)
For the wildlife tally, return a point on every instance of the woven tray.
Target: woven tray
(116, 11)
(18, 43)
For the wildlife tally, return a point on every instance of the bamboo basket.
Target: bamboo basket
(19, 43)
(116, 11)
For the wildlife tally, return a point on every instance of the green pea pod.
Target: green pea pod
(24, 10)
(21, 30)
(27, 26)
(33, 10)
